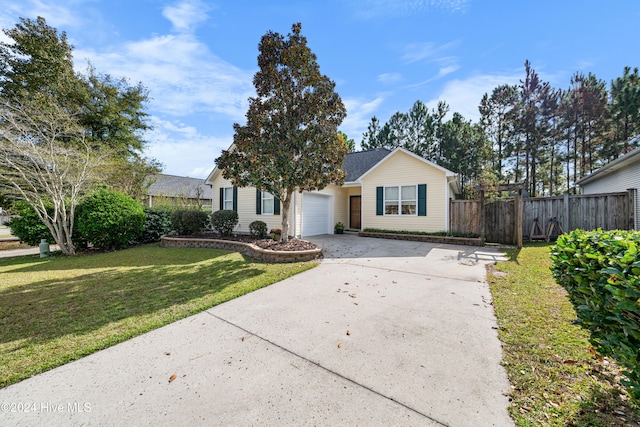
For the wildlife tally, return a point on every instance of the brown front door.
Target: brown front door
(355, 216)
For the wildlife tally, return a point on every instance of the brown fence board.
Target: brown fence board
(608, 211)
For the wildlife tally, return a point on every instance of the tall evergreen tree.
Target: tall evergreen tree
(624, 110)
(537, 105)
(497, 114)
(290, 141)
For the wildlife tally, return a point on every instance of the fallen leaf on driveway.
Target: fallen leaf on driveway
(172, 377)
(339, 344)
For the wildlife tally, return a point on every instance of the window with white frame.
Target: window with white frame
(227, 199)
(401, 200)
(267, 203)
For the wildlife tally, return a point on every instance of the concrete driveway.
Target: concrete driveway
(383, 332)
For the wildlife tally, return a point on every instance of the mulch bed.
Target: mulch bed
(269, 244)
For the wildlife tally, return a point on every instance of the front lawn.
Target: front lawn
(59, 309)
(556, 378)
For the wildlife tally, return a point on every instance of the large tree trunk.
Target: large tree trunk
(286, 202)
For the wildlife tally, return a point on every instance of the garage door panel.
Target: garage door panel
(315, 214)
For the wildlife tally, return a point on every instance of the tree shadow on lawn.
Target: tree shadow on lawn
(145, 255)
(605, 406)
(45, 310)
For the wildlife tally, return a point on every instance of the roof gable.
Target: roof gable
(446, 172)
(357, 163)
(178, 186)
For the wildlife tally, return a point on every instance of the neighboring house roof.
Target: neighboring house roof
(357, 163)
(178, 186)
(614, 165)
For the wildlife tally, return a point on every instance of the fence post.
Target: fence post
(482, 217)
(517, 206)
(632, 207)
(567, 213)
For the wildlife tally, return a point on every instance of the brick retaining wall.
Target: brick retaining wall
(247, 249)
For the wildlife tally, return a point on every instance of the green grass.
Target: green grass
(556, 378)
(59, 309)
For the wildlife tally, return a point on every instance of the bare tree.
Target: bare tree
(46, 161)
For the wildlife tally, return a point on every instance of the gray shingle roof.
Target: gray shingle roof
(178, 186)
(357, 163)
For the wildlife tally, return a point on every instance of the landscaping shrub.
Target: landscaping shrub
(258, 229)
(601, 272)
(157, 224)
(109, 219)
(27, 225)
(224, 221)
(188, 222)
(422, 233)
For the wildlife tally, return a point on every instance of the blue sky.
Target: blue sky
(197, 58)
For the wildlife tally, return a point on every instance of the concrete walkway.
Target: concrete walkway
(22, 252)
(381, 333)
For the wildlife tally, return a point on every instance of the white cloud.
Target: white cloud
(57, 14)
(181, 73)
(464, 95)
(415, 52)
(359, 113)
(186, 15)
(368, 9)
(183, 150)
(390, 78)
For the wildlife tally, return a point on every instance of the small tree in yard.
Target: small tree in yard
(46, 162)
(290, 142)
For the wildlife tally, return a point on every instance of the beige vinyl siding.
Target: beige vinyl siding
(619, 180)
(403, 169)
(340, 203)
(247, 207)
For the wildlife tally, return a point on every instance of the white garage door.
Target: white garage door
(315, 214)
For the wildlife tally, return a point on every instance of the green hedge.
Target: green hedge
(601, 272)
(224, 221)
(188, 222)
(157, 223)
(27, 226)
(110, 219)
(422, 233)
(258, 229)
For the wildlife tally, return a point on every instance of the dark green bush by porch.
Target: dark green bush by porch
(601, 272)
(27, 226)
(258, 229)
(224, 221)
(188, 222)
(109, 219)
(157, 224)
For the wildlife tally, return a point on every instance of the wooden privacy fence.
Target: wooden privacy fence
(608, 211)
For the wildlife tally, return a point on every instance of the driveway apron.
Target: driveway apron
(382, 332)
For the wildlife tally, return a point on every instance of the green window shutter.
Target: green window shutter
(422, 199)
(379, 200)
(258, 202)
(221, 198)
(235, 198)
(276, 206)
